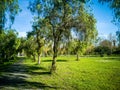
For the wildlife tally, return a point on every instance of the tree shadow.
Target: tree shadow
(58, 60)
(35, 67)
(112, 58)
(16, 75)
(20, 82)
(40, 73)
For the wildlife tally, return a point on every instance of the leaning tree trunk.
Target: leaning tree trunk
(53, 68)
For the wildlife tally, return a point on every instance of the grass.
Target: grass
(93, 73)
(90, 73)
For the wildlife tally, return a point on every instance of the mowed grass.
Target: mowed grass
(90, 73)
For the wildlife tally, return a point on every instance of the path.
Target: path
(14, 76)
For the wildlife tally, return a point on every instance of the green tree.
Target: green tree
(9, 45)
(61, 16)
(39, 33)
(22, 46)
(8, 7)
(85, 34)
(118, 37)
(31, 47)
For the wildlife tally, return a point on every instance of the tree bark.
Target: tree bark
(53, 68)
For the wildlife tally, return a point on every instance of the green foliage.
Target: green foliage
(116, 51)
(39, 34)
(101, 50)
(9, 44)
(118, 37)
(8, 7)
(30, 46)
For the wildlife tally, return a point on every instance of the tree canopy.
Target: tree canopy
(8, 9)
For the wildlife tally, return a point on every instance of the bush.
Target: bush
(102, 50)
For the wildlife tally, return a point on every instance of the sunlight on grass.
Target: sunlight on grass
(94, 73)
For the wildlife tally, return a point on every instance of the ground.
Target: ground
(90, 73)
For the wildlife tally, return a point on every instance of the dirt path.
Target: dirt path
(14, 76)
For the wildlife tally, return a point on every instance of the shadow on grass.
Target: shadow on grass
(112, 58)
(19, 82)
(59, 60)
(39, 73)
(16, 75)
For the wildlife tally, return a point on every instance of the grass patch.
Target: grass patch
(90, 73)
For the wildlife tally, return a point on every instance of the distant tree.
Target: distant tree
(104, 47)
(30, 47)
(47, 49)
(86, 34)
(90, 50)
(112, 39)
(40, 33)
(105, 43)
(118, 37)
(101, 50)
(22, 45)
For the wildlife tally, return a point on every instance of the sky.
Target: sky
(102, 13)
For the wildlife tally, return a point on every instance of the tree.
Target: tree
(86, 34)
(61, 16)
(101, 50)
(22, 46)
(112, 40)
(9, 45)
(47, 49)
(8, 7)
(105, 43)
(31, 47)
(118, 37)
(39, 33)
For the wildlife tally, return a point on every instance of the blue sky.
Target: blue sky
(102, 14)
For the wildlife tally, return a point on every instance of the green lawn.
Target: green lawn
(90, 73)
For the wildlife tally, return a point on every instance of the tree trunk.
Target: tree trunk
(53, 68)
(39, 61)
(34, 57)
(77, 57)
